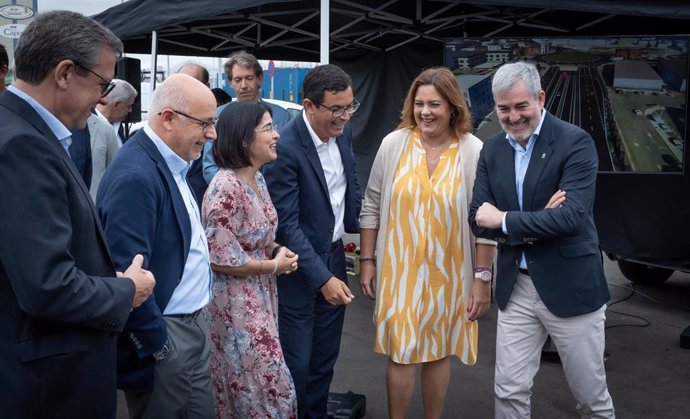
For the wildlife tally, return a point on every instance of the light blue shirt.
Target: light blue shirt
(522, 158)
(280, 118)
(60, 131)
(194, 290)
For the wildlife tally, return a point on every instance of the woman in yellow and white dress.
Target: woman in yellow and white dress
(414, 226)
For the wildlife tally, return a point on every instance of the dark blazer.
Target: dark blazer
(560, 245)
(143, 212)
(299, 192)
(80, 152)
(60, 302)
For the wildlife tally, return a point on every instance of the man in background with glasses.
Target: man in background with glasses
(313, 185)
(146, 204)
(61, 301)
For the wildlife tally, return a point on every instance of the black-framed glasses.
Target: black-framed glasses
(339, 111)
(267, 128)
(106, 86)
(204, 124)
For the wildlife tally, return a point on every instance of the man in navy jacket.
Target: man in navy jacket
(313, 185)
(534, 194)
(147, 207)
(61, 303)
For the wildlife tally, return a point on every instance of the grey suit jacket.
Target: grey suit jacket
(104, 146)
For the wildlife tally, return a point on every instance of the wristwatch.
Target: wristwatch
(483, 274)
(162, 353)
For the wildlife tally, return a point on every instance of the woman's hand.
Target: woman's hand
(287, 261)
(480, 299)
(367, 279)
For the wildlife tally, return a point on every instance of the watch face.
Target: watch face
(162, 354)
(483, 275)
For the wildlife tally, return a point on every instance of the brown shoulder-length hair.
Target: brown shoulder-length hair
(446, 85)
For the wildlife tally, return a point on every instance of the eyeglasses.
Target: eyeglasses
(106, 86)
(202, 123)
(339, 111)
(267, 128)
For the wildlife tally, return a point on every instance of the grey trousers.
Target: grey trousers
(182, 386)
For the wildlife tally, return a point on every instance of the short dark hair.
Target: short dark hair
(61, 35)
(235, 129)
(324, 78)
(4, 59)
(243, 59)
(222, 97)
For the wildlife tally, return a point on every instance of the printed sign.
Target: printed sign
(13, 31)
(16, 11)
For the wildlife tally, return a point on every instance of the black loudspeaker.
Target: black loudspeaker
(129, 69)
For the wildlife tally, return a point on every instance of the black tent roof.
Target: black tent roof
(289, 29)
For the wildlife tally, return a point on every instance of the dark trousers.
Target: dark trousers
(310, 337)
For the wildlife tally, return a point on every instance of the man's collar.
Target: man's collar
(175, 163)
(315, 138)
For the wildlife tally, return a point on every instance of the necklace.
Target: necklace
(434, 157)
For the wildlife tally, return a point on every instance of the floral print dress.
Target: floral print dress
(250, 377)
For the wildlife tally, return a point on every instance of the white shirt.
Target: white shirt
(334, 171)
(116, 127)
(194, 290)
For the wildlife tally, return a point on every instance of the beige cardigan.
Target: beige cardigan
(378, 195)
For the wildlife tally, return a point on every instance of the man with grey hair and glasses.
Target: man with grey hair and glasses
(117, 107)
(534, 194)
(62, 302)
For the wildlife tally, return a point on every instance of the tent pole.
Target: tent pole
(154, 59)
(325, 29)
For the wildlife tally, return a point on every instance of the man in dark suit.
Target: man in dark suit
(313, 185)
(61, 302)
(534, 194)
(147, 207)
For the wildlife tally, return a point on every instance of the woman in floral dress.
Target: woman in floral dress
(251, 379)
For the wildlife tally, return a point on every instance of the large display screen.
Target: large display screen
(629, 93)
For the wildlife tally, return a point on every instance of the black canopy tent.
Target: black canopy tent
(384, 44)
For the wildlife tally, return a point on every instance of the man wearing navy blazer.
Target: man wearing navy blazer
(313, 185)
(61, 302)
(147, 207)
(534, 194)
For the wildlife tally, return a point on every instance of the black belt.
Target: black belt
(336, 244)
(524, 271)
(186, 316)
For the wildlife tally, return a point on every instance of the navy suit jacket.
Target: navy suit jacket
(560, 245)
(299, 192)
(80, 151)
(143, 213)
(60, 302)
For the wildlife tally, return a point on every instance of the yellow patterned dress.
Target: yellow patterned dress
(420, 309)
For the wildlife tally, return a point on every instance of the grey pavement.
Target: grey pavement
(648, 372)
